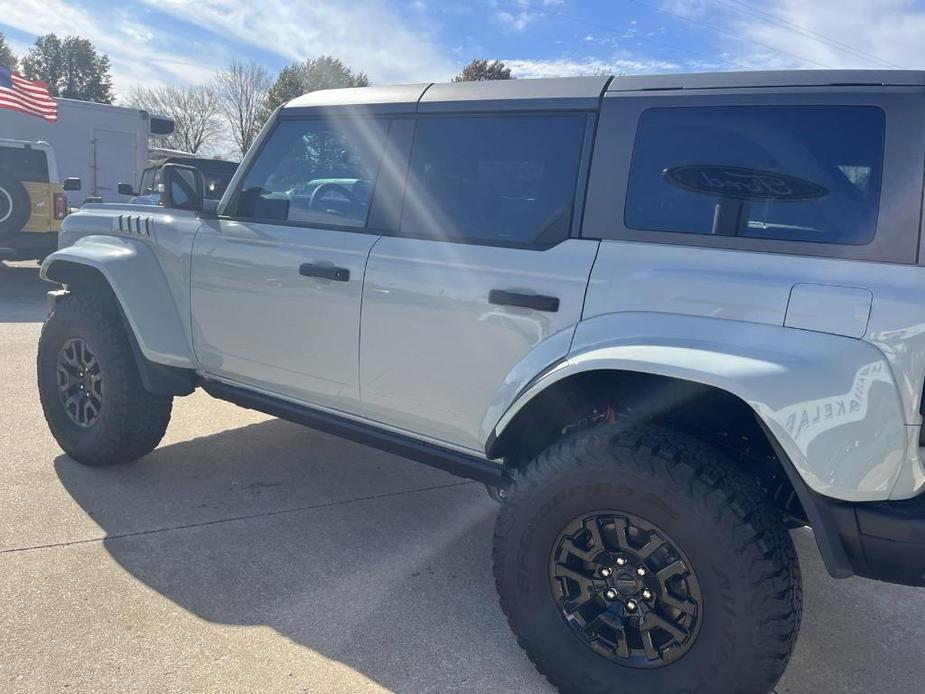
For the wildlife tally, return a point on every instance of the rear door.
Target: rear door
(276, 287)
(113, 162)
(483, 272)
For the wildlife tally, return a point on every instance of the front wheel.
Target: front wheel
(91, 391)
(636, 559)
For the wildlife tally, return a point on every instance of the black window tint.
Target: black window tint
(493, 179)
(216, 182)
(147, 182)
(794, 173)
(315, 172)
(25, 164)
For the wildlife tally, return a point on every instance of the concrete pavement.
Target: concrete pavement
(249, 554)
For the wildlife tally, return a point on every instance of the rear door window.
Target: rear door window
(507, 180)
(317, 172)
(791, 173)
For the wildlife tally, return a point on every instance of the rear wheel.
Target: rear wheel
(636, 559)
(91, 391)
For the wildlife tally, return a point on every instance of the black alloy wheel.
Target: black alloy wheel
(625, 588)
(80, 383)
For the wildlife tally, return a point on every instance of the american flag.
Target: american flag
(19, 94)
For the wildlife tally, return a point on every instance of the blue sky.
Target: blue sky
(185, 41)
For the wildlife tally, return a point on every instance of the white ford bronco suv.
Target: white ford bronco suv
(664, 318)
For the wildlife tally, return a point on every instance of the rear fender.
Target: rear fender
(135, 276)
(830, 402)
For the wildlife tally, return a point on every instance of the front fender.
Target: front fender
(137, 280)
(831, 402)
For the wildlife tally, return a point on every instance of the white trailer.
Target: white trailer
(101, 144)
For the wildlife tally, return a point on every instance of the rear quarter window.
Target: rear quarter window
(790, 173)
(25, 164)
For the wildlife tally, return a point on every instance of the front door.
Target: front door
(482, 274)
(276, 288)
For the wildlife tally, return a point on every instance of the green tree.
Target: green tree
(71, 67)
(288, 85)
(324, 72)
(480, 69)
(7, 58)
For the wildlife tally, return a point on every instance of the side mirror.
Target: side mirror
(126, 189)
(72, 183)
(183, 187)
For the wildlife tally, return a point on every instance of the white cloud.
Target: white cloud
(891, 30)
(137, 55)
(782, 35)
(521, 13)
(370, 35)
(517, 21)
(567, 67)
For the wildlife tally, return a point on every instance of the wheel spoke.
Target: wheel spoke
(65, 379)
(69, 357)
(675, 568)
(595, 533)
(607, 619)
(91, 410)
(655, 621)
(650, 547)
(584, 582)
(685, 606)
(622, 540)
(585, 554)
(648, 646)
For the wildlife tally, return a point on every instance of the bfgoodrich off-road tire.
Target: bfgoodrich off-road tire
(91, 391)
(620, 526)
(15, 205)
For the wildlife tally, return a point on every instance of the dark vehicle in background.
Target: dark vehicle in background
(216, 175)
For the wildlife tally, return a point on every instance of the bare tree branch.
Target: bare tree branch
(242, 91)
(194, 110)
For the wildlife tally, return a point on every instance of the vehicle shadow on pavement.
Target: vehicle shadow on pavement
(369, 559)
(22, 293)
(384, 565)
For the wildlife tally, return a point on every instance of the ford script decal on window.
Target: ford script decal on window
(743, 184)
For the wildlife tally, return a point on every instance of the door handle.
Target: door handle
(327, 272)
(538, 302)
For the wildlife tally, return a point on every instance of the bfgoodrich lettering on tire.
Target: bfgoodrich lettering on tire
(630, 558)
(91, 391)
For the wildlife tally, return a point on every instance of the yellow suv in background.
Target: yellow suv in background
(33, 200)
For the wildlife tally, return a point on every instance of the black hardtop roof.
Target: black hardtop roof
(200, 162)
(581, 93)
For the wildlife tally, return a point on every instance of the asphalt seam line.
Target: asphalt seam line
(218, 521)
